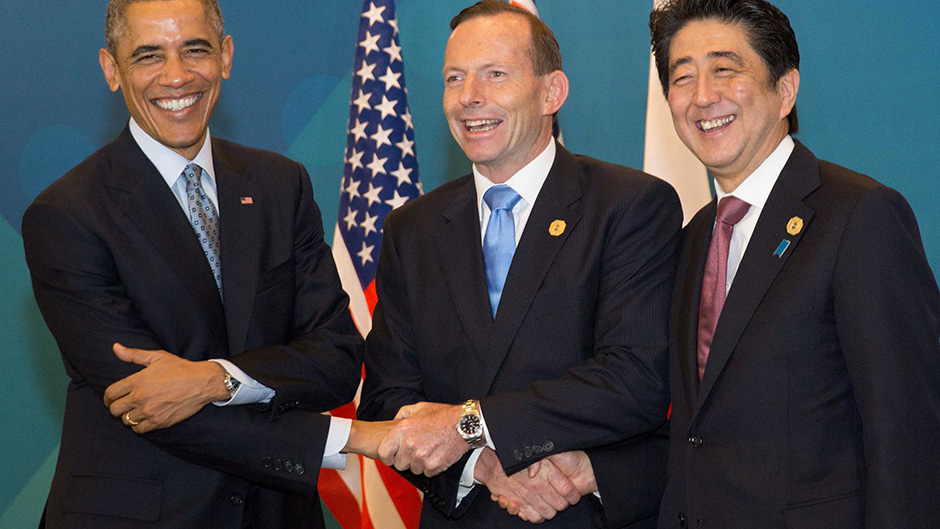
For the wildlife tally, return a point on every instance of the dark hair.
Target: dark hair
(767, 28)
(115, 20)
(544, 50)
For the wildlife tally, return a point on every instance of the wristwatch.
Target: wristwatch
(231, 384)
(470, 426)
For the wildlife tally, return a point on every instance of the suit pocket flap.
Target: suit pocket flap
(276, 275)
(134, 498)
(846, 510)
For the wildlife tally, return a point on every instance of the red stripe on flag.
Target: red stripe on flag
(335, 494)
(405, 497)
(371, 297)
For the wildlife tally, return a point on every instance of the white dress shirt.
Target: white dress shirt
(170, 165)
(754, 190)
(527, 182)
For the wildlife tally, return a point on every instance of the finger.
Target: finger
(388, 450)
(530, 514)
(405, 411)
(561, 485)
(534, 468)
(119, 407)
(136, 356)
(116, 391)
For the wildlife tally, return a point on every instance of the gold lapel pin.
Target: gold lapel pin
(795, 226)
(557, 228)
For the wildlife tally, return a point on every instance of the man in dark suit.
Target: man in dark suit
(804, 356)
(115, 263)
(543, 319)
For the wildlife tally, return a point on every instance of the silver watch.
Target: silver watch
(231, 384)
(470, 426)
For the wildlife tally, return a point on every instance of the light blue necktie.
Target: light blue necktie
(205, 220)
(499, 243)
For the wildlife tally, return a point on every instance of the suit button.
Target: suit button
(299, 469)
(288, 466)
(278, 464)
(681, 519)
(537, 449)
(549, 446)
(528, 452)
(237, 499)
(696, 441)
(517, 455)
(266, 462)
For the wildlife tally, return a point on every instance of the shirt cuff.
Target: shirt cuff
(250, 391)
(486, 431)
(335, 441)
(467, 480)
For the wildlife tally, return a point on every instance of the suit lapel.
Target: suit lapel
(460, 249)
(534, 255)
(153, 208)
(241, 233)
(698, 236)
(760, 265)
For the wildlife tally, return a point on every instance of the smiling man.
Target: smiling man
(206, 260)
(522, 307)
(804, 354)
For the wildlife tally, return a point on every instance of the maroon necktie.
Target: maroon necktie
(730, 211)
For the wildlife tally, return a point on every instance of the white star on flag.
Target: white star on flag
(381, 137)
(396, 201)
(359, 131)
(366, 72)
(390, 79)
(403, 174)
(387, 108)
(366, 253)
(350, 218)
(394, 52)
(370, 43)
(374, 14)
(372, 195)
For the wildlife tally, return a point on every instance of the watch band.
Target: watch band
(231, 384)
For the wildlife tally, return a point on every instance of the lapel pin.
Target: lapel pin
(557, 228)
(784, 244)
(795, 226)
(246, 200)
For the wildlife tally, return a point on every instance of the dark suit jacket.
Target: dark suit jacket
(113, 258)
(576, 356)
(820, 404)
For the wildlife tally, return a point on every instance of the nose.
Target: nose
(705, 92)
(472, 92)
(175, 72)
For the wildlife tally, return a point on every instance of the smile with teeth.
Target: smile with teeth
(176, 104)
(717, 123)
(481, 125)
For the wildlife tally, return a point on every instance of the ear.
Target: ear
(787, 86)
(228, 50)
(556, 94)
(110, 68)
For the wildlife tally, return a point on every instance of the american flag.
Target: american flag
(381, 174)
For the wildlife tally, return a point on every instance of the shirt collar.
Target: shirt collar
(527, 182)
(168, 162)
(756, 188)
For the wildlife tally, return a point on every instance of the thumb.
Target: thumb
(136, 356)
(405, 411)
(534, 468)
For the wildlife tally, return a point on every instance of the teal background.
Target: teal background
(867, 100)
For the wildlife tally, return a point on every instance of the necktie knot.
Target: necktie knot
(193, 175)
(501, 197)
(731, 210)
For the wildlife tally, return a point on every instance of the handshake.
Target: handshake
(423, 439)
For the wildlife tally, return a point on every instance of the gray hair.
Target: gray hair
(115, 20)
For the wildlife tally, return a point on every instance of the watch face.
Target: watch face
(470, 425)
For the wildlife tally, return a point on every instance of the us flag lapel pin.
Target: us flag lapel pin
(246, 200)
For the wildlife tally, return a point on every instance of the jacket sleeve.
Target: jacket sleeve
(887, 314)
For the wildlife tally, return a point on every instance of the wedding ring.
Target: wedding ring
(129, 421)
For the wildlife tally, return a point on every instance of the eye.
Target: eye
(498, 73)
